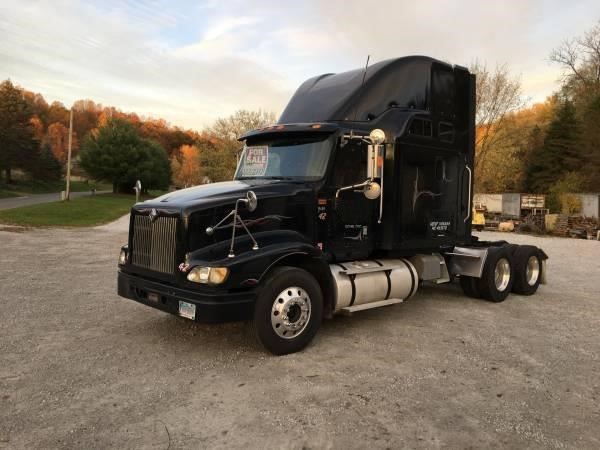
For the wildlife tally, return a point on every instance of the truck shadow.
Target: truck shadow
(201, 340)
(416, 309)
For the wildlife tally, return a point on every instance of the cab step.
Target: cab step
(349, 310)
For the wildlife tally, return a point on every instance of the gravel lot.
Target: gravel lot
(83, 368)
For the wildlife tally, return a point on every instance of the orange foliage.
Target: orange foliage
(57, 137)
(539, 114)
(186, 168)
(38, 128)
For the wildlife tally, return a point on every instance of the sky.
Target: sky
(192, 62)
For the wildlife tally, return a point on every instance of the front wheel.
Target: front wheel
(288, 310)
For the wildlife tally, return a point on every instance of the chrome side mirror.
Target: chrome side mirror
(251, 201)
(372, 190)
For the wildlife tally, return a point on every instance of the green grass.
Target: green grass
(80, 212)
(21, 187)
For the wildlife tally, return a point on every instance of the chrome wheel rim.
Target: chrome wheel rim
(532, 270)
(290, 313)
(502, 274)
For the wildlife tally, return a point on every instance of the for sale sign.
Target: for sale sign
(255, 161)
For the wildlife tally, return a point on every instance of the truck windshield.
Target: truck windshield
(302, 159)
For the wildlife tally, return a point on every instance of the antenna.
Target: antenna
(361, 86)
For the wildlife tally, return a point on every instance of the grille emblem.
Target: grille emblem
(153, 215)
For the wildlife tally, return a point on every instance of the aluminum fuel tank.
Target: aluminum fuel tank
(360, 282)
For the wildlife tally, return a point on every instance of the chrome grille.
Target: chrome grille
(154, 243)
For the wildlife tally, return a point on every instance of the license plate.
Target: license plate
(187, 310)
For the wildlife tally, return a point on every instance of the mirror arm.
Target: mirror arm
(354, 186)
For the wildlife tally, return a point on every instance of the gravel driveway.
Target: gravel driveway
(83, 368)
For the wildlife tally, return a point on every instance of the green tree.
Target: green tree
(46, 167)
(17, 142)
(117, 153)
(558, 198)
(590, 142)
(534, 143)
(579, 58)
(561, 152)
(217, 159)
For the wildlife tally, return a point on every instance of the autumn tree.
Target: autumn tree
(498, 93)
(505, 168)
(232, 127)
(37, 105)
(186, 167)
(579, 58)
(17, 141)
(57, 139)
(37, 127)
(170, 138)
(57, 113)
(117, 153)
(85, 116)
(219, 155)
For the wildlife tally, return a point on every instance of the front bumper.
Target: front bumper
(210, 307)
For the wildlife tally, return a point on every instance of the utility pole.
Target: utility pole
(69, 155)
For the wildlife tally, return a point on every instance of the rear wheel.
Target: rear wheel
(288, 310)
(528, 270)
(497, 278)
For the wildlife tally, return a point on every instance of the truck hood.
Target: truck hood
(217, 194)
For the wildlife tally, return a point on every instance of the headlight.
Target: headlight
(123, 257)
(208, 275)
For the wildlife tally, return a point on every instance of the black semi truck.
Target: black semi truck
(360, 192)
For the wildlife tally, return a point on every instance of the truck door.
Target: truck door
(352, 224)
(430, 185)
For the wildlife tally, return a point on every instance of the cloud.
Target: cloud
(227, 25)
(76, 51)
(191, 63)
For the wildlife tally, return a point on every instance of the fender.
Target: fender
(249, 266)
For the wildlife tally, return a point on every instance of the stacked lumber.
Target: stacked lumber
(562, 225)
(576, 226)
(583, 225)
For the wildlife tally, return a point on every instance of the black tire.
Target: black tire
(487, 285)
(527, 280)
(469, 286)
(287, 310)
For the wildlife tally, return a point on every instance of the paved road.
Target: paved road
(82, 368)
(34, 199)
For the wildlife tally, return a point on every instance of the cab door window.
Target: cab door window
(350, 165)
